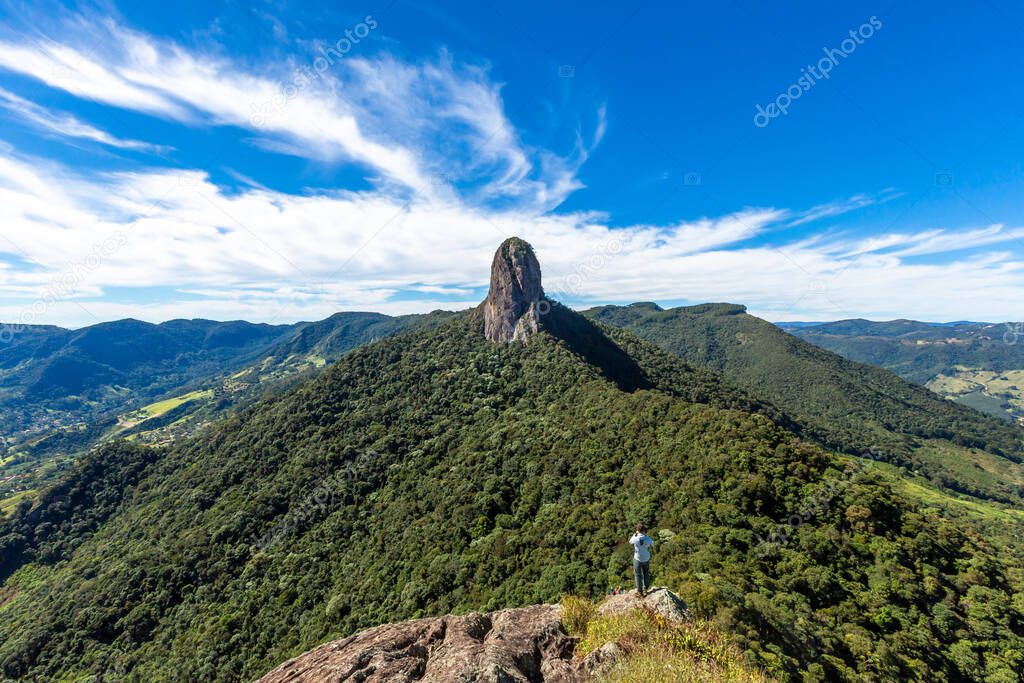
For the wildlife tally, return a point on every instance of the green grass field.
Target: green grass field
(8, 504)
(160, 407)
(979, 508)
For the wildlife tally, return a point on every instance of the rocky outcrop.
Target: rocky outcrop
(525, 645)
(512, 307)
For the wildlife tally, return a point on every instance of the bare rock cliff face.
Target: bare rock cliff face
(524, 645)
(511, 309)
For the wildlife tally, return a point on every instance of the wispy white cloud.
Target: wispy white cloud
(275, 256)
(932, 241)
(68, 126)
(844, 206)
(437, 129)
(65, 68)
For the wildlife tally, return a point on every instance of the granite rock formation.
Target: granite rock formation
(515, 300)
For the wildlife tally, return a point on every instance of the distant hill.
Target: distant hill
(977, 364)
(64, 391)
(69, 375)
(848, 406)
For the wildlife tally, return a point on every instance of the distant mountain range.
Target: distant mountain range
(796, 324)
(980, 365)
(62, 391)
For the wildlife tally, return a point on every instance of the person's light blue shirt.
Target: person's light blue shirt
(642, 545)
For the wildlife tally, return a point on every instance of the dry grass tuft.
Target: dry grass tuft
(576, 614)
(656, 649)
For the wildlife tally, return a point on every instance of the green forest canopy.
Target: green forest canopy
(468, 475)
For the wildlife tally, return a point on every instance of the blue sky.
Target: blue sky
(280, 161)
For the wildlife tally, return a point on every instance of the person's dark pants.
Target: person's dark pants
(642, 574)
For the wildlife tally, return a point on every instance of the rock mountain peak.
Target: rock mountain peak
(511, 309)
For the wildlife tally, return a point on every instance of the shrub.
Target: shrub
(576, 614)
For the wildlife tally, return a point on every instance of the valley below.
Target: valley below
(980, 365)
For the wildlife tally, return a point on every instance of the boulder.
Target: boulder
(658, 598)
(603, 659)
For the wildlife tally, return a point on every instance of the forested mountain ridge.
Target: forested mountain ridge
(197, 371)
(52, 363)
(437, 471)
(848, 406)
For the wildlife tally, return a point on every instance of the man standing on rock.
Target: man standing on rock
(642, 545)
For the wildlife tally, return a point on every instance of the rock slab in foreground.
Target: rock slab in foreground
(510, 646)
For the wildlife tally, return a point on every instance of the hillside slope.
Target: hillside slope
(81, 372)
(916, 350)
(52, 377)
(854, 408)
(438, 472)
